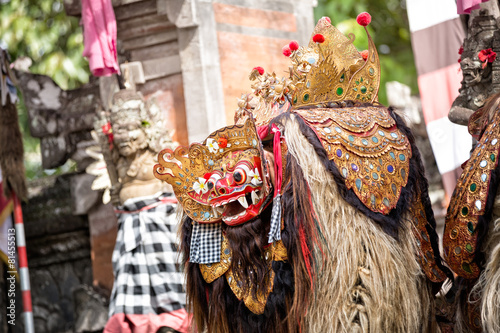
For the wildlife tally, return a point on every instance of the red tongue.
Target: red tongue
(233, 208)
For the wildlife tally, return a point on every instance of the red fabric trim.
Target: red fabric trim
(263, 131)
(18, 213)
(277, 159)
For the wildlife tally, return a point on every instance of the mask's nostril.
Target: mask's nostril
(222, 191)
(210, 185)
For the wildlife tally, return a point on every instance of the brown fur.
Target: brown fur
(370, 282)
(11, 152)
(348, 274)
(248, 240)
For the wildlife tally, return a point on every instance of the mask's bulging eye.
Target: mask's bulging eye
(239, 176)
(212, 180)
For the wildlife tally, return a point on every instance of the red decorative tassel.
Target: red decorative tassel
(306, 252)
(364, 19)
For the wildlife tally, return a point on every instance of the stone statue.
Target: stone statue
(481, 69)
(130, 138)
(137, 136)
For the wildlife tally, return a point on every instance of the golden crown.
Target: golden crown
(340, 73)
(329, 69)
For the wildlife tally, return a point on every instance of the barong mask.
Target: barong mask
(328, 104)
(224, 178)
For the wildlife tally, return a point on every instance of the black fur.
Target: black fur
(218, 293)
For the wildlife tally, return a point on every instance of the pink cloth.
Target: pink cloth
(179, 320)
(466, 6)
(99, 37)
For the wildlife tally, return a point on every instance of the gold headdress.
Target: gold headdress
(329, 69)
(340, 73)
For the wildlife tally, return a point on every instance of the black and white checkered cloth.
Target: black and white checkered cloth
(148, 276)
(275, 230)
(206, 241)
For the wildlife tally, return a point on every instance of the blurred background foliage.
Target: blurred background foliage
(41, 30)
(389, 29)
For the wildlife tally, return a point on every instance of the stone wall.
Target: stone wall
(58, 248)
(252, 33)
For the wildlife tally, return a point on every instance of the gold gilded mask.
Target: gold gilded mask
(224, 178)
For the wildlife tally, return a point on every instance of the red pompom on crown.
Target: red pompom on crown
(364, 54)
(286, 50)
(294, 45)
(327, 19)
(364, 19)
(259, 69)
(318, 38)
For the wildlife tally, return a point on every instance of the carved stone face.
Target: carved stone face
(472, 71)
(129, 136)
(236, 187)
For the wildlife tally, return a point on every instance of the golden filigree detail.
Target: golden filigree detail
(279, 252)
(212, 272)
(332, 71)
(261, 111)
(425, 251)
(340, 72)
(185, 168)
(274, 252)
(370, 153)
(303, 59)
(256, 305)
(468, 203)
